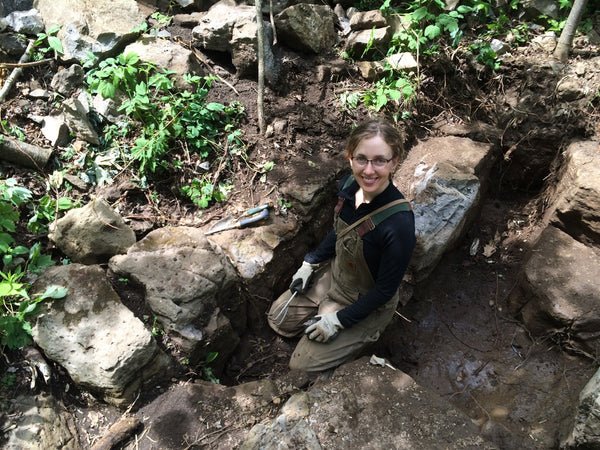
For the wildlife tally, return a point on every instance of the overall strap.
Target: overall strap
(371, 220)
(340, 202)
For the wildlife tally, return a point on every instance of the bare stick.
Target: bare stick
(27, 64)
(260, 42)
(15, 73)
(272, 22)
(118, 433)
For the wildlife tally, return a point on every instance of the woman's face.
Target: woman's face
(373, 176)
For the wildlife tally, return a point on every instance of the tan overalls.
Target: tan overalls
(335, 286)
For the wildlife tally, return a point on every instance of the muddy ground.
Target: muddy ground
(456, 336)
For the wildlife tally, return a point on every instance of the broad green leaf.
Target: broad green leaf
(54, 291)
(107, 90)
(5, 241)
(64, 203)
(419, 13)
(218, 107)
(432, 31)
(55, 44)
(394, 94)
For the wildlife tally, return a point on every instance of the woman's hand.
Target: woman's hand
(326, 328)
(302, 277)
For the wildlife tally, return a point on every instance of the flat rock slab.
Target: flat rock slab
(98, 340)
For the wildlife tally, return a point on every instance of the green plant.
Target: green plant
(391, 89)
(18, 133)
(164, 120)
(49, 38)
(12, 197)
(46, 212)
(350, 100)
(18, 308)
(156, 328)
(202, 191)
(114, 74)
(485, 55)
(207, 372)
(162, 19)
(8, 380)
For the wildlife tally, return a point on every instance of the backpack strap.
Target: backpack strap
(370, 221)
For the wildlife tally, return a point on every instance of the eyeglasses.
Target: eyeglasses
(377, 163)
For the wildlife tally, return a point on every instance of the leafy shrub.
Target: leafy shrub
(16, 305)
(165, 120)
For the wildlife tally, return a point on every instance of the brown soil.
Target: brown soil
(456, 336)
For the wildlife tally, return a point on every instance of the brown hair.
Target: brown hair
(377, 127)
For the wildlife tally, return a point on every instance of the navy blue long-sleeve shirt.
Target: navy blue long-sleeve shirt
(387, 249)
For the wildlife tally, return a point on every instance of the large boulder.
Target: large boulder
(367, 406)
(444, 178)
(586, 430)
(193, 290)
(361, 406)
(166, 55)
(307, 28)
(9, 6)
(41, 421)
(231, 28)
(558, 293)
(85, 29)
(92, 234)
(576, 207)
(90, 333)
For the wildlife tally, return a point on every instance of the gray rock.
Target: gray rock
(166, 55)
(41, 421)
(535, 8)
(252, 250)
(375, 40)
(546, 42)
(75, 113)
(307, 28)
(576, 207)
(90, 333)
(558, 292)
(67, 80)
(231, 28)
(55, 129)
(383, 408)
(9, 6)
(444, 178)
(445, 199)
(586, 430)
(215, 30)
(92, 233)
(26, 22)
(367, 20)
(12, 44)
(192, 289)
(84, 30)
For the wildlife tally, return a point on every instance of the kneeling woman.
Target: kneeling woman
(357, 269)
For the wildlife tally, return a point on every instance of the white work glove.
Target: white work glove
(326, 327)
(302, 277)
